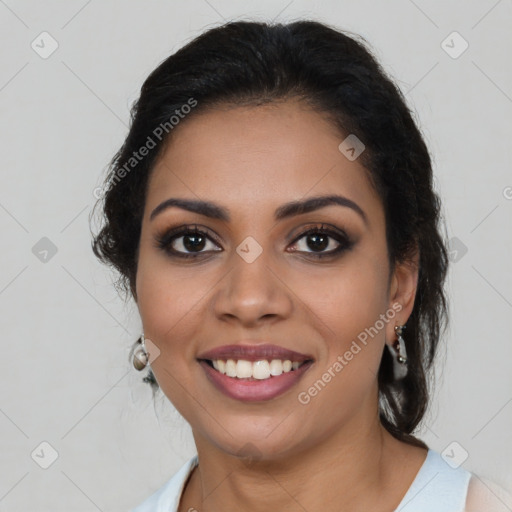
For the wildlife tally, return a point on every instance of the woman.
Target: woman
(273, 216)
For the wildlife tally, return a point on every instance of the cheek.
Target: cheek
(166, 294)
(348, 299)
(346, 307)
(167, 303)
(167, 312)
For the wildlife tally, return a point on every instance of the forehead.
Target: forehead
(252, 157)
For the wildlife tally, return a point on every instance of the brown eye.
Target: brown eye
(186, 242)
(317, 242)
(321, 242)
(190, 243)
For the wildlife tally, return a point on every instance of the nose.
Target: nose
(252, 293)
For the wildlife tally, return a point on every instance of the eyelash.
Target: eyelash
(164, 241)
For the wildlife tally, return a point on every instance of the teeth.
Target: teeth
(260, 369)
(276, 367)
(230, 368)
(243, 369)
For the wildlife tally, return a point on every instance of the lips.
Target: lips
(263, 384)
(253, 353)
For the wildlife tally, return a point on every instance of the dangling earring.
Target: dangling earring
(399, 354)
(140, 355)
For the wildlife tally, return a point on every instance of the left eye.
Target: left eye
(321, 242)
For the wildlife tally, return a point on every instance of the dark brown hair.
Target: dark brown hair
(252, 63)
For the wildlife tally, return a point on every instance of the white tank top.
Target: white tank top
(437, 487)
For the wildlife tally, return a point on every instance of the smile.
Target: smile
(253, 372)
(257, 370)
(252, 389)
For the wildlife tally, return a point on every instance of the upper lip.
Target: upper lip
(253, 353)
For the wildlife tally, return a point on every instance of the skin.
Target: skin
(331, 453)
(483, 494)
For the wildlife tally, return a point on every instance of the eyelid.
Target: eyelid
(343, 240)
(169, 232)
(165, 237)
(320, 227)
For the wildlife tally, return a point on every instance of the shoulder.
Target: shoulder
(440, 485)
(444, 486)
(485, 495)
(166, 499)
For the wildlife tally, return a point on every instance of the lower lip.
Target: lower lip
(254, 390)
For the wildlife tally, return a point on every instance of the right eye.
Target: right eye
(186, 242)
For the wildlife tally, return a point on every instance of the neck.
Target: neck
(355, 468)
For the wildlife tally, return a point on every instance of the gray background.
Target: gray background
(65, 375)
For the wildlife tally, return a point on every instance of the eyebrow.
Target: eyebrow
(214, 211)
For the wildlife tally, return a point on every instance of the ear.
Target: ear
(402, 292)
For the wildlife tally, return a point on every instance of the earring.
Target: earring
(399, 354)
(140, 355)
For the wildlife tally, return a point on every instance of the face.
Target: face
(253, 270)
